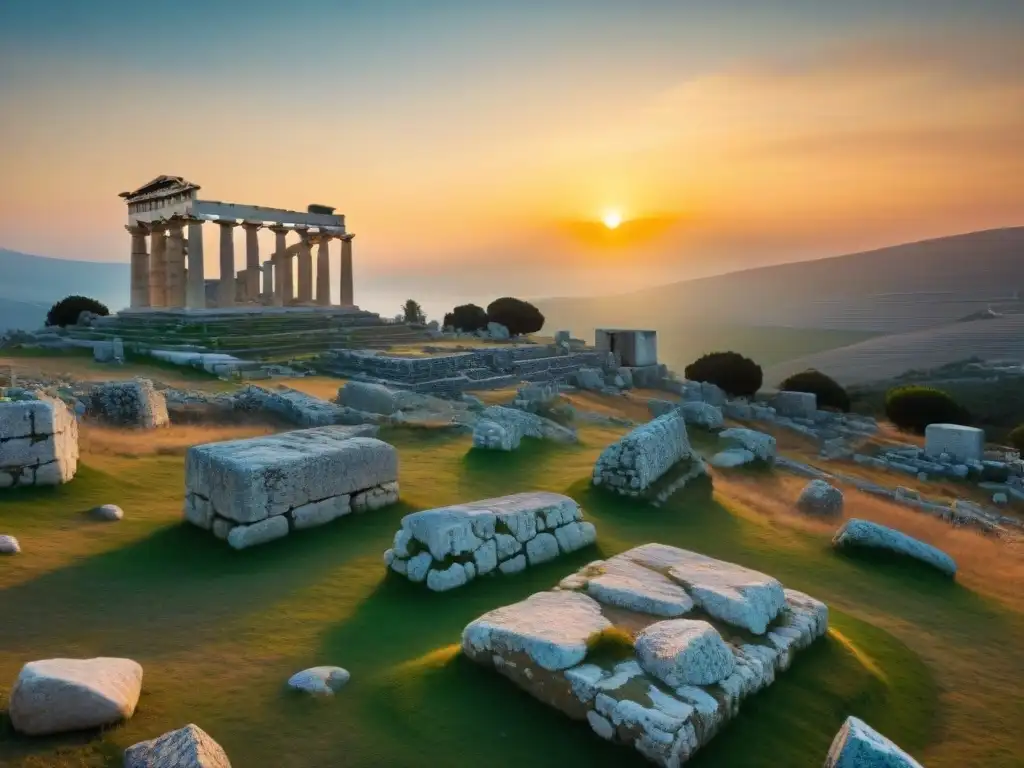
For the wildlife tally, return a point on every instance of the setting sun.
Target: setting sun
(612, 219)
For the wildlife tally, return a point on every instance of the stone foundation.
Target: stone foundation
(655, 648)
(38, 441)
(956, 442)
(632, 464)
(450, 546)
(253, 491)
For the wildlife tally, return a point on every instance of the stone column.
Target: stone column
(252, 260)
(279, 259)
(158, 265)
(268, 280)
(140, 266)
(195, 295)
(347, 297)
(323, 270)
(226, 281)
(175, 264)
(305, 267)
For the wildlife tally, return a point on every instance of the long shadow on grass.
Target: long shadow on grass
(178, 585)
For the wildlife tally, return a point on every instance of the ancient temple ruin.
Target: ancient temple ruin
(167, 272)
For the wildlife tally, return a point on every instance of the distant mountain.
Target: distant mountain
(28, 283)
(891, 290)
(889, 356)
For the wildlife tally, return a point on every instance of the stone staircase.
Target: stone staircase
(252, 335)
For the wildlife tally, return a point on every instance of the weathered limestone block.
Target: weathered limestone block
(450, 546)
(38, 441)
(863, 533)
(292, 405)
(858, 745)
(256, 490)
(134, 403)
(958, 443)
(188, 747)
(684, 679)
(820, 498)
(502, 429)
(758, 443)
(732, 457)
(376, 398)
(633, 463)
(57, 695)
(9, 545)
(703, 415)
(801, 405)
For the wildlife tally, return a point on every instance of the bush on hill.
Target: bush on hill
(466, 317)
(735, 374)
(914, 407)
(66, 311)
(412, 312)
(520, 317)
(1016, 438)
(828, 391)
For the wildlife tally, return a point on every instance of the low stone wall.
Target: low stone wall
(693, 637)
(134, 403)
(630, 465)
(38, 441)
(253, 491)
(450, 546)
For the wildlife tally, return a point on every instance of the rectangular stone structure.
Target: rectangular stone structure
(962, 444)
(38, 441)
(631, 464)
(705, 635)
(259, 489)
(448, 547)
(795, 404)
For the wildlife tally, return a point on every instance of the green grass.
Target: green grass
(929, 662)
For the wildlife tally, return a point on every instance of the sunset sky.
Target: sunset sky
(475, 145)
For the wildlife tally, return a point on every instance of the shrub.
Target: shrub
(827, 389)
(66, 311)
(520, 317)
(913, 408)
(735, 374)
(412, 312)
(466, 317)
(1016, 438)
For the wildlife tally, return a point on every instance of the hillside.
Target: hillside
(892, 290)
(41, 280)
(888, 356)
(22, 315)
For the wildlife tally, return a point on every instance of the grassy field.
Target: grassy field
(932, 663)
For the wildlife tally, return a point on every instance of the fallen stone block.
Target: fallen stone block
(58, 695)
(703, 415)
(448, 547)
(758, 443)
(957, 442)
(38, 441)
(865, 534)
(671, 684)
(291, 405)
(253, 491)
(502, 429)
(731, 458)
(134, 403)
(858, 745)
(633, 463)
(795, 404)
(188, 747)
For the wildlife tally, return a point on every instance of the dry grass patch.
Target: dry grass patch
(102, 442)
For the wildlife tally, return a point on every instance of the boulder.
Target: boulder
(319, 681)
(103, 351)
(502, 429)
(376, 398)
(188, 747)
(589, 378)
(703, 415)
(107, 512)
(9, 545)
(292, 405)
(795, 404)
(134, 403)
(58, 695)
(450, 546)
(684, 652)
(865, 534)
(820, 498)
(858, 745)
(498, 332)
(758, 443)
